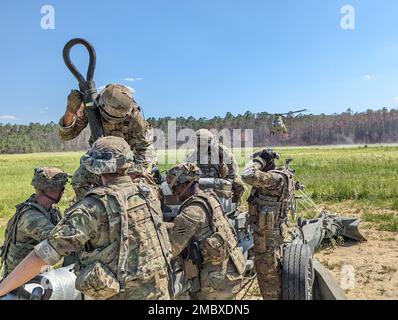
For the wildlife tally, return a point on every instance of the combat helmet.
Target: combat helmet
(115, 102)
(108, 155)
(181, 173)
(205, 135)
(49, 179)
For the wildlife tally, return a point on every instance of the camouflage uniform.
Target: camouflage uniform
(269, 204)
(118, 231)
(201, 221)
(132, 127)
(31, 222)
(219, 162)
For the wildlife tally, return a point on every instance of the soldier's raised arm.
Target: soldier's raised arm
(74, 120)
(254, 175)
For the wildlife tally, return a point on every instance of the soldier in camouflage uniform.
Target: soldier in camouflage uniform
(270, 201)
(117, 229)
(216, 161)
(202, 235)
(121, 117)
(34, 218)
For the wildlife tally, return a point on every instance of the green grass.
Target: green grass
(383, 221)
(16, 173)
(365, 175)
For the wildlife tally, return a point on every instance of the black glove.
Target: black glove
(268, 155)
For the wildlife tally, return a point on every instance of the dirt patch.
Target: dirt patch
(366, 270)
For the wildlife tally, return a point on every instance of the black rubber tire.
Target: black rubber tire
(297, 273)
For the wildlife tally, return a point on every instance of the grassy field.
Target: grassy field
(361, 176)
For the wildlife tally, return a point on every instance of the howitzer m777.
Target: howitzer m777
(86, 86)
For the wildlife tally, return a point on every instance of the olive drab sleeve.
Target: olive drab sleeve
(35, 225)
(186, 224)
(80, 224)
(254, 176)
(70, 132)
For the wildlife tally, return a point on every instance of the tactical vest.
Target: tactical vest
(138, 241)
(13, 252)
(279, 200)
(217, 241)
(209, 169)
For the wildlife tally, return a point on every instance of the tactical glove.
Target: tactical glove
(74, 101)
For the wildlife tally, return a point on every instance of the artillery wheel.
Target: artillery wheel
(297, 272)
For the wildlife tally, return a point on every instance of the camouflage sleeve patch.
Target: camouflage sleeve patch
(79, 225)
(141, 136)
(145, 159)
(72, 131)
(35, 225)
(46, 252)
(253, 176)
(186, 224)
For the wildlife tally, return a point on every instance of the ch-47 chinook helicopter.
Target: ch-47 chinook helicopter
(278, 123)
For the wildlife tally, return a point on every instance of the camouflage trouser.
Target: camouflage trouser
(218, 283)
(268, 234)
(155, 288)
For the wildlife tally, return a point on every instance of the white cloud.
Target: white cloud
(44, 110)
(367, 77)
(8, 117)
(395, 98)
(132, 79)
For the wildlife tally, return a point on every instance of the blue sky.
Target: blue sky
(203, 58)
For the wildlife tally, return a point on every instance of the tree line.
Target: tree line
(371, 126)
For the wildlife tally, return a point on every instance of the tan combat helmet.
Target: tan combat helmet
(49, 179)
(115, 103)
(204, 134)
(181, 173)
(108, 155)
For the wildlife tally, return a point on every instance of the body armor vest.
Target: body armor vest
(278, 200)
(14, 251)
(217, 241)
(138, 241)
(209, 169)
